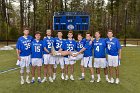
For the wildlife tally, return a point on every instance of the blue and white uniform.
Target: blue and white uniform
(58, 59)
(37, 52)
(48, 44)
(24, 46)
(88, 54)
(69, 45)
(113, 47)
(100, 53)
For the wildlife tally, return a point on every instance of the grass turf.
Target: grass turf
(129, 77)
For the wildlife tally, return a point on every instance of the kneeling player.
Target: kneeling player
(23, 53)
(99, 56)
(36, 55)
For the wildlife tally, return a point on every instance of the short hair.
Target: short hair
(109, 31)
(70, 32)
(80, 34)
(98, 32)
(37, 32)
(26, 28)
(59, 31)
(88, 33)
(48, 30)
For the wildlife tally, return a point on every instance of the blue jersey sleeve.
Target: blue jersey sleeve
(18, 45)
(44, 43)
(87, 45)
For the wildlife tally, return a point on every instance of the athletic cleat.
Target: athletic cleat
(112, 80)
(117, 81)
(81, 78)
(92, 80)
(39, 80)
(22, 82)
(71, 78)
(50, 79)
(33, 81)
(62, 77)
(44, 80)
(27, 81)
(107, 79)
(98, 80)
(66, 78)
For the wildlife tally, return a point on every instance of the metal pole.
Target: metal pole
(125, 27)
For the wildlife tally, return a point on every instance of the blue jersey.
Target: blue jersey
(99, 48)
(80, 44)
(58, 43)
(36, 49)
(24, 45)
(69, 45)
(113, 46)
(89, 47)
(48, 43)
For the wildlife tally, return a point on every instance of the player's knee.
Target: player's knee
(55, 66)
(28, 69)
(22, 70)
(62, 66)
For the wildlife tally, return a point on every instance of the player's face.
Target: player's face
(110, 34)
(88, 37)
(38, 36)
(97, 35)
(70, 35)
(80, 37)
(48, 33)
(26, 32)
(59, 34)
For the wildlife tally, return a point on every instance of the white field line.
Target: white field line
(2, 72)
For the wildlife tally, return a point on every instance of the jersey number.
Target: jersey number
(27, 46)
(97, 48)
(49, 45)
(58, 45)
(109, 46)
(37, 48)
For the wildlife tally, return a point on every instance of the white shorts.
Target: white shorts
(88, 61)
(68, 62)
(82, 62)
(100, 63)
(37, 62)
(25, 61)
(49, 59)
(59, 60)
(113, 61)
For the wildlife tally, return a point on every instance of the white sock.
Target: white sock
(27, 77)
(98, 75)
(54, 74)
(63, 74)
(83, 74)
(33, 78)
(92, 76)
(106, 76)
(39, 78)
(22, 78)
(71, 75)
(45, 78)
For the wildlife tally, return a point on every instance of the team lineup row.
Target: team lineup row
(53, 51)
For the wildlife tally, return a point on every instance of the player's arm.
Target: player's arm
(46, 50)
(120, 53)
(82, 50)
(18, 50)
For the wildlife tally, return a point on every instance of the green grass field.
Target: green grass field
(129, 77)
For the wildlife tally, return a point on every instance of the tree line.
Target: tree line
(122, 16)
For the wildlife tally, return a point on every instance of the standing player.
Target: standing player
(80, 44)
(69, 45)
(100, 56)
(23, 53)
(114, 55)
(36, 55)
(58, 41)
(87, 49)
(48, 58)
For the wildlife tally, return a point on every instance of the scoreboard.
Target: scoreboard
(76, 21)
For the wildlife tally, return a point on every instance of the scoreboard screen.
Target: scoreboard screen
(76, 21)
